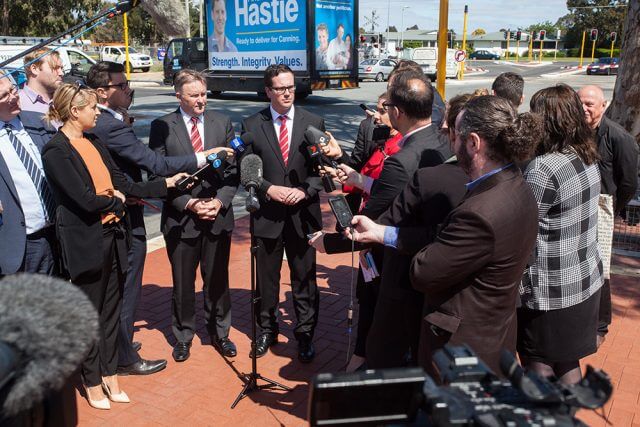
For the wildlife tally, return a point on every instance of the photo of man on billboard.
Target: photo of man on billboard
(218, 41)
(338, 50)
(323, 47)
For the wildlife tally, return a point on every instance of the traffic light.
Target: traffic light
(613, 36)
(519, 35)
(542, 34)
(594, 35)
(534, 35)
(505, 34)
(362, 38)
(512, 35)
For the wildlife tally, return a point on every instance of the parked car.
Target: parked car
(377, 69)
(118, 54)
(606, 66)
(484, 54)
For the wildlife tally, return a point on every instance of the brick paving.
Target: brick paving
(199, 392)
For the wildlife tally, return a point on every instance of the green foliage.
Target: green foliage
(45, 17)
(599, 53)
(560, 54)
(584, 18)
(550, 28)
(478, 32)
(411, 44)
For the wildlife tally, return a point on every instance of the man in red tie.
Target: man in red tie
(289, 210)
(197, 223)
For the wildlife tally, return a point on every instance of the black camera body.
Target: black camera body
(472, 395)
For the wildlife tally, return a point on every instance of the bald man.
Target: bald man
(619, 179)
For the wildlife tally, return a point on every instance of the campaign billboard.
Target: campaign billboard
(335, 38)
(249, 35)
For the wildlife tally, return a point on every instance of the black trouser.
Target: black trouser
(130, 300)
(302, 264)
(604, 313)
(105, 292)
(211, 252)
(39, 254)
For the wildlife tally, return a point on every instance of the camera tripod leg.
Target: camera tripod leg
(251, 384)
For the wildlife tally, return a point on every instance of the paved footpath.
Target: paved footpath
(199, 392)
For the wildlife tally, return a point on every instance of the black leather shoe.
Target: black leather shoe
(136, 345)
(306, 352)
(263, 343)
(181, 351)
(143, 367)
(225, 347)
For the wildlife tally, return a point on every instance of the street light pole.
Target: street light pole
(402, 28)
(186, 5)
(388, 15)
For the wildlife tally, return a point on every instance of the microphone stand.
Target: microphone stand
(250, 380)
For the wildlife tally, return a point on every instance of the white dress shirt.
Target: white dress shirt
(276, 122)
(201, 158)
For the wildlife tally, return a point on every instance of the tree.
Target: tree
(44, 18)
(415, 27)
(392, 29)
(478, 32)
(625, 107)
(548, 26)
(586, 14)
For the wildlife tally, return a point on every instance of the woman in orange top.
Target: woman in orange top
(91, 226)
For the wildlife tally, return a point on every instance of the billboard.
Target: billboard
(335, 38)
(249, 35)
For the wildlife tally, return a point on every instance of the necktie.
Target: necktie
(196, 139)
(35, 173)
(283, 139)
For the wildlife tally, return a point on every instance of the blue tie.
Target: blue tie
(35, 173)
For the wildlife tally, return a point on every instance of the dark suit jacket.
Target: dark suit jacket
(131, 155)
(13, 225)
(421, 149)
(618, 162)
(269, 220)
(470, 274)
(169, 137)
(78, 216)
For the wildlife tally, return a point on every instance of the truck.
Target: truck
(316, 38)
(75, 62)
(427, 57)
(137, 60)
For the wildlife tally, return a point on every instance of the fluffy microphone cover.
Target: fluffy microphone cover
(251, 170)
(52, 324)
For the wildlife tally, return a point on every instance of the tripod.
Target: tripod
(251, 379)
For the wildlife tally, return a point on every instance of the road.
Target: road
(340, 108)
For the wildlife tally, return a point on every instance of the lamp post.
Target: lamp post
(402, 28)
(386, 44)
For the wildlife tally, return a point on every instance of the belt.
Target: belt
(43, 232)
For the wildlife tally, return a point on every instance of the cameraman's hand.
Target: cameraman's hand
(218, 150)
(364, 230)
(317, 241)
(349, 176)
(173, 180)
(332, 148)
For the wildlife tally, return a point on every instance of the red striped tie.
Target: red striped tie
(196, 140)
(284, 138)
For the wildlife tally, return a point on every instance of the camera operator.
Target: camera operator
(470, 273)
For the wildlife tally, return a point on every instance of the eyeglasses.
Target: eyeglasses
(122, 86)
(13, 91)
(283, 89)
(386, 105)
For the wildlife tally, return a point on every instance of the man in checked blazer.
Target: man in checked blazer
(290, 209)
(197, 223)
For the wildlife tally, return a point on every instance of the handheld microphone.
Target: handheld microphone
(240, 143)
(50, 325)
(315, 137)
(251, 179)
(214, 160)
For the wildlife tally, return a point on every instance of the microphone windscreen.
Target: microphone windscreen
(251, 170)
(52, 325)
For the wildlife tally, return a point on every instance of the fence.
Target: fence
(626, 232)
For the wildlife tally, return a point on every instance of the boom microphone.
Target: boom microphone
(51, 325)
(251, 180)
(214, 160)
(240, 143)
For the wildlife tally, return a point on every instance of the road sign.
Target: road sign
(460, 55)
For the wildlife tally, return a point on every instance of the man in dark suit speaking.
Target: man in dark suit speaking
(290, 210)
(197, 223)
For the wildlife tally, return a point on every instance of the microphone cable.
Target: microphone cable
(350, 308)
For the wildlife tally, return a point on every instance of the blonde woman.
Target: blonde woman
(91, 226)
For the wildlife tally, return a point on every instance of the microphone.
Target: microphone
(50, 325)
(240, 143)
(251, 179)
(315, 137)
(214, 160)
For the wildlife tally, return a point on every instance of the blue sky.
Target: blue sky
(490, 15)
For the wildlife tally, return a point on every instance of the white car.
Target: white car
(118, 54)
(377, 69)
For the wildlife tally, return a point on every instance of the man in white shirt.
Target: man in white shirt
(337, 56)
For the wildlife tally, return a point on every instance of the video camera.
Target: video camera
(472, 395)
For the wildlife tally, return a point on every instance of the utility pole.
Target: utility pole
(464, 42)
(201, 20)
(388, 15)
(186, 5)
(508, 40)
(441, 75)
(127, 65)
(402, 28)
(584, 34)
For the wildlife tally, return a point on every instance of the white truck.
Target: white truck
(137, 60)
(427, 57)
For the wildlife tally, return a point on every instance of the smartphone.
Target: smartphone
(367, 108)
(381, 133)
(341, 211)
